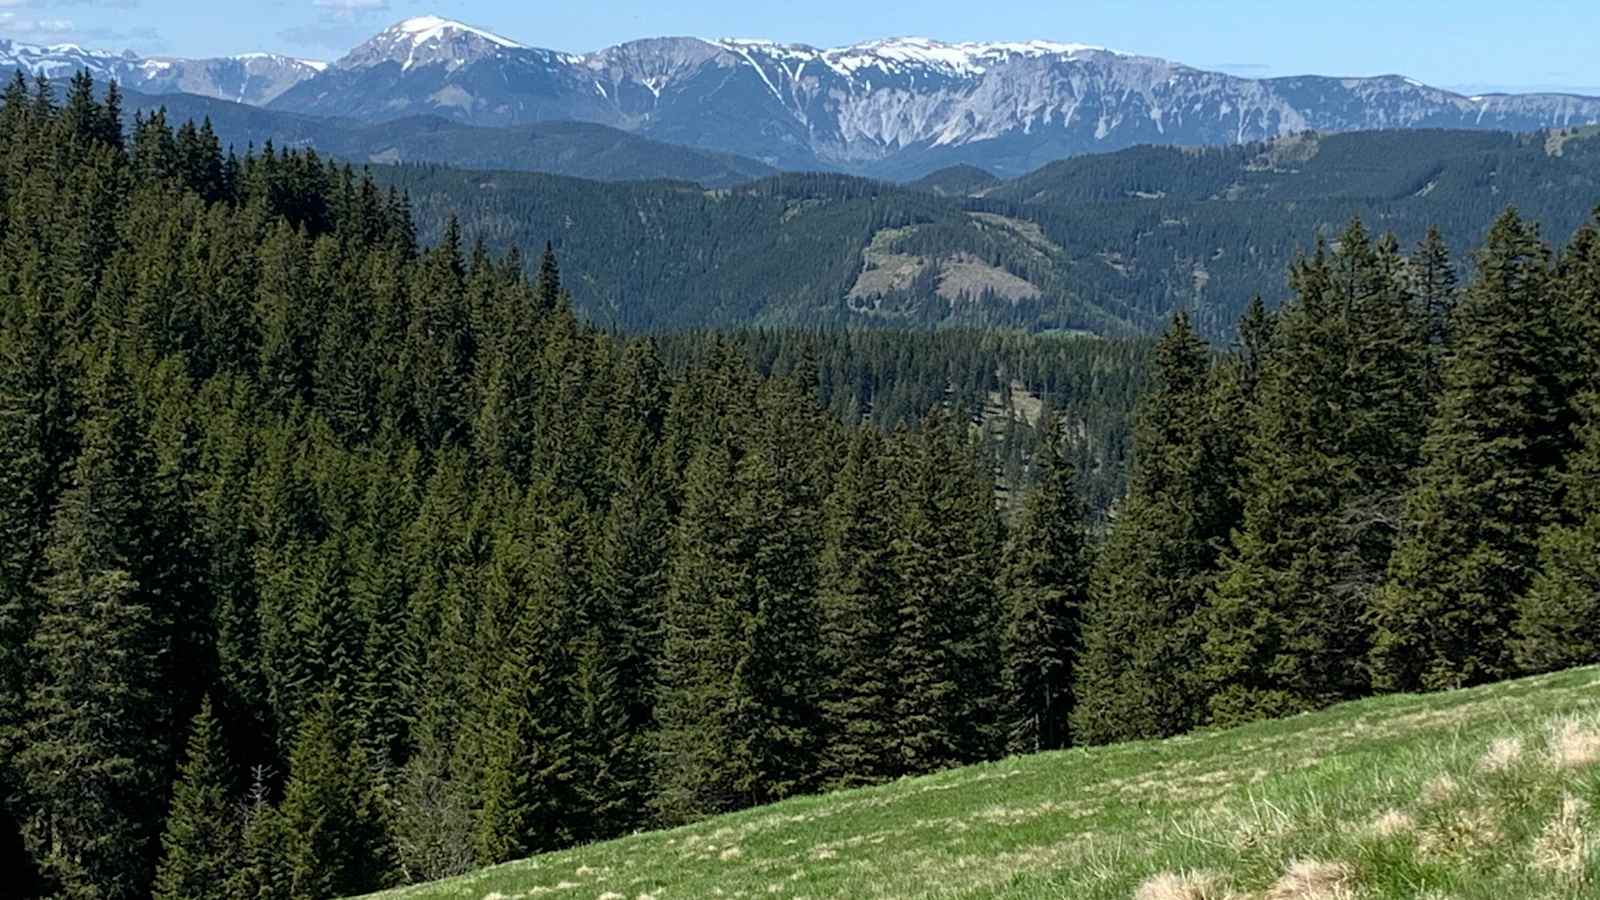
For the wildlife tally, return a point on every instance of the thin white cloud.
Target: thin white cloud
(29, 28)
(351, 6)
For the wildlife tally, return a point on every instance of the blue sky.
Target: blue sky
(1475, 44)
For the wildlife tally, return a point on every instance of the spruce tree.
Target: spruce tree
(859, 619)
(1043, 586)
(944, 654)
(1558, 619)
(737, 708)
(263, 872)
(1334, 432)
(1138, 670)
(1487, 485)
(202, 843)
(94, 755)
(525, 738)
(333, 842)
(1434, 286)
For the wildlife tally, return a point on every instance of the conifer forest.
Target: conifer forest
(334, 559)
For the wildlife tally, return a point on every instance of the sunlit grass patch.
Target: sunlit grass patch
(1485, 794)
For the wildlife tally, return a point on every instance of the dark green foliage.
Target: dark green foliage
(1558, 620)
(332, 834)
(1138, 673)
(1123, 239)
(94, 758)
(1433, 284)
(1334, 430)
(263, 872)
(859, 618)
(1086, 385)
(1486, 486)
(201, 847)
(1043, 584)
(943, 654)
(738, 705)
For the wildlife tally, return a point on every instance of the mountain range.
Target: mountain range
(899, 108)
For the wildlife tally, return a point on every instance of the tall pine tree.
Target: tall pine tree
(1138, 671)
(202, 843)
(1487, 485)
(1043, 585)
(1335, 429)
(1558, 619)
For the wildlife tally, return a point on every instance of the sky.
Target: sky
(1474, 45)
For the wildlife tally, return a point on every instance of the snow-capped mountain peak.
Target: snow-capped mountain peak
(423, 29)
(427, 41)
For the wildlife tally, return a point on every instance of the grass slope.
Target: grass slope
(1485, 793)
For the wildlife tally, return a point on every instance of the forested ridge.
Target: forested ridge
(1112, 243)
(335, 559)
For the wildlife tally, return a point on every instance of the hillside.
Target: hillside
(1483, 794)
(337, 560)
(1112, 243)
(793, 249)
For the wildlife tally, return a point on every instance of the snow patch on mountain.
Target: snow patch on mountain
(423, 29)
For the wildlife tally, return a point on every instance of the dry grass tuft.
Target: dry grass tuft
(1309, 879)
(1392, 823)
(611, 895)
(1502, 754)
(1562, 848)
(730, 853)
(1438, 790)
(1174, 886)
(1466, 833)
(1573, 746)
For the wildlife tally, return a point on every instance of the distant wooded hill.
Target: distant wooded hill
(579, 149)
(1110, 244)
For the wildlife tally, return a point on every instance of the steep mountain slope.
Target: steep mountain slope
(1110, 243)
(564, 148)
(1483, 794)
(894, 108)
(254, 78)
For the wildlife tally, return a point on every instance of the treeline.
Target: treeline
(333, 561)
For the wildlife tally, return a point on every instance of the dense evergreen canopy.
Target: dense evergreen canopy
(333, 560)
